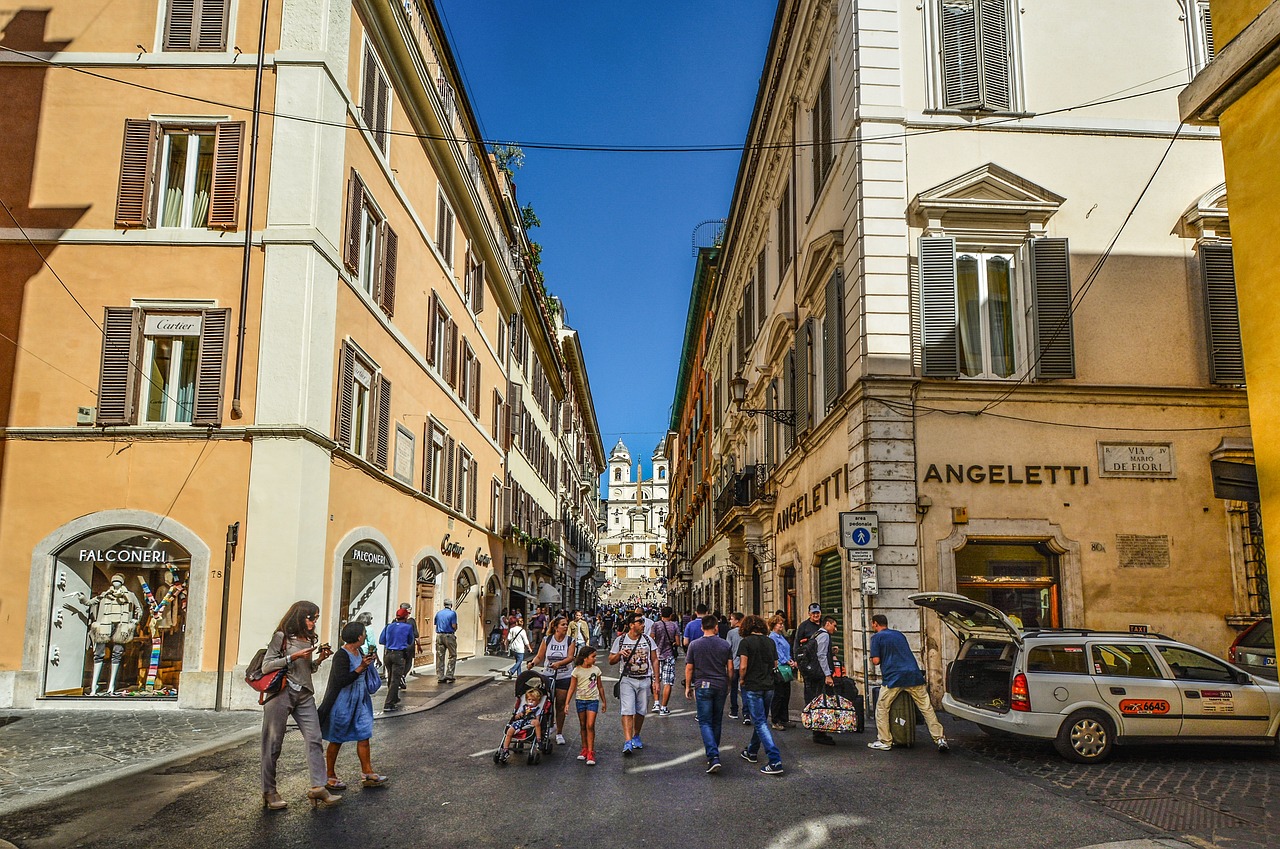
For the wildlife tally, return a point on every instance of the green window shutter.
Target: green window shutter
(1051, 308)
(118, 375)
(831, 594)
(801, 392)
(941, 355)
(761, 289)
(1222, 313)
(789, 394)
(211, 368)
(833, 341)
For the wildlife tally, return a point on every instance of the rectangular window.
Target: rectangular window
(1070, 660)
(821, 134)
(162, 367)
(375, 99)
(371, 247)
(446, 99)
(1129, 661)
(785, 211)
(196, 25)
(975, 55)
(364, 407)
(433, 460)
(180, 175)
(985, 301)
(495, 505)
(444, 230)
(462, 493)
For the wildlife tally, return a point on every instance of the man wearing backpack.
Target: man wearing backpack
(666, 635)
(816, 654)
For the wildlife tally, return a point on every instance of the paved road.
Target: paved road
(445, 791)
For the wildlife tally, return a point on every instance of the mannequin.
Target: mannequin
(113, 622)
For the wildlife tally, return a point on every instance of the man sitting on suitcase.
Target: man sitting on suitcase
(900, 673)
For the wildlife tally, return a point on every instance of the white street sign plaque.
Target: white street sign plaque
(861, 556)
(870, 586)
(860, 531)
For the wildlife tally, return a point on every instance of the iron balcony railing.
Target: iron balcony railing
(742, 490)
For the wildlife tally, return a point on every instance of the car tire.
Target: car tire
(1087, 737)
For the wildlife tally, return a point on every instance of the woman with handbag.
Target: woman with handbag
(780, 718)
(518, 640)
(293, 649)
(556, 654)
(346, 715)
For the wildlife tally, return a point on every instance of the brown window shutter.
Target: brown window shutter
(451, 354)
(478, 296)
(382, 447)
(369, 89)
(211, 368)
(117, 378)
(515, 407)
(432, 312)
(137, 172)
(427, 430)
(346, 396)
(497, 415)
(211, 33)
(380, 114)
(179, 25)
(224, 197)
(390, 249)
(446, 494)
(475, 387)
(355, 210)
(471, 493)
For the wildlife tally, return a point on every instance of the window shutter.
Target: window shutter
(117, 377)
(833, 341)
(820, 128)
(938, 306)
(477, 287)
(1051, 308)
(355, 210)
(390, 252)
(1226, 353)
(749, 303)
(769, 426)
(369, 90)
(450, 470)
(471, 493)
(346, 395)
(428, 431)
(961, 88)
(789, 389)
(761, 288)
(383, 95)
(804, 342)
(224, 196)
(212, 34)
(451, 353)
(993, 44)
(137, 170)
(515, 404)
(432, 312)
(828, 134)
(475, 386)
(1206, 28)
(179, 25)
(211, 368)
(382, 447)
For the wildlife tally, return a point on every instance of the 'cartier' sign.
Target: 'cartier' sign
(482, 559)
(451, 549)
(1007, 474)
(164, 324)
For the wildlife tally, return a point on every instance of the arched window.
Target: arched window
(617, 474)
(662, 473)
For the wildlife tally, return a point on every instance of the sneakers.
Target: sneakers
(879, 747)
(733, 714)
(591, 758)
(559, 739)
(582, 756)
(777, 726)
(505, 756)
(748, 757)
(746, 720)
(713, 766)
(627, 749)
(662, 710)
(636, 743)
(771, 769)
(943, 747)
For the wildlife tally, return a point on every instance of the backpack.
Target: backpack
(807, 660)
(267, 686)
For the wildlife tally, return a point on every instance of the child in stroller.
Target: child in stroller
(530, 719)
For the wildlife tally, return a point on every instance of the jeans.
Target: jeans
(733, 692)
(518, 665)
(757, 704)
(710, 703)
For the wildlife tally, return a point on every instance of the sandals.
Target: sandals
(335, 783)
(372, 780)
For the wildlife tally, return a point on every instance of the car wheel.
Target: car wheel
(1087, 737)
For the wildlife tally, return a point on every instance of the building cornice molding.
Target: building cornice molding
(1244, 62)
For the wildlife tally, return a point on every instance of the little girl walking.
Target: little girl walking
(588, 696)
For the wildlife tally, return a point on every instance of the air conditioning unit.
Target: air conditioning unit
(86, 415)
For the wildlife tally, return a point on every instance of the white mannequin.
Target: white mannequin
(113, 622)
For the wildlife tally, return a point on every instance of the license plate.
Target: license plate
(1268, 661)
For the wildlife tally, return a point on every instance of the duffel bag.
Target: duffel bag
(831, 714)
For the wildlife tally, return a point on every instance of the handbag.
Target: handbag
(372, 680)
(784, 673)
(830, 713)
(267, 685)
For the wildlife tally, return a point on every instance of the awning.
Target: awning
(529, 596)
(548, 594)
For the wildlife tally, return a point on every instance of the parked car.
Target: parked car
(1089, 691)
(1255, 649)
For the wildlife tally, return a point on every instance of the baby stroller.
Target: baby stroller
(525, 736)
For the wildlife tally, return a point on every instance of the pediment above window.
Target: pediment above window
(1207, 217)
(983, 198)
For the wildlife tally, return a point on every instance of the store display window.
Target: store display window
(366, 587)
(1020, 579)
(118, 609)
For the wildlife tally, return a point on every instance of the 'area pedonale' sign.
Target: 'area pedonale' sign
(1003, 473)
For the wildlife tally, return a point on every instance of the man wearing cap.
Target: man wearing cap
(446, 642)
(398, 648)
(812, 687)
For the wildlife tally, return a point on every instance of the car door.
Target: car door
(1136, 688)
(1214, 701)
(968, 618)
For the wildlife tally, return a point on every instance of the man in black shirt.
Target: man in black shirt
(812, 686)
(757, 658)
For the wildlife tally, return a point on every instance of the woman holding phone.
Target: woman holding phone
(346, 716)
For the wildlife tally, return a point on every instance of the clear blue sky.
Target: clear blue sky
(617, 227)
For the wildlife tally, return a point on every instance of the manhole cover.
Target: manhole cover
(1174, 814)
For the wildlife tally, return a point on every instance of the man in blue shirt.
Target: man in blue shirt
(446, 642)
(899, 672)
(398, 643)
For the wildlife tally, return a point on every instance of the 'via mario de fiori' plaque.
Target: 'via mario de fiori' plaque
(1136, 460)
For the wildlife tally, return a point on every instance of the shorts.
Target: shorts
(593, 705)
(522, 724)
(667, 671)
(633, 696)
(563, 684)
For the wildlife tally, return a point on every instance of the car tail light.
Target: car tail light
(1231, 652)
(1020, 698)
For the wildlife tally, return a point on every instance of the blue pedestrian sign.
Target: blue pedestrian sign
(860, 531)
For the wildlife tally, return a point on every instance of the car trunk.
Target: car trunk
(982, 676)
(983, 682)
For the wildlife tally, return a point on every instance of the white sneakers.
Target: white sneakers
(878, 746)
(559, 739)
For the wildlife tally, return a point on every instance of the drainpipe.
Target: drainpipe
(236, 412)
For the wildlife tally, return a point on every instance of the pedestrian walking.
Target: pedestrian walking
(899, 673)
(518, 640)
(666, 636)
(412, 654)
(294, 649)
(757, 665)
(537, 625)
(813, 683)
(579, 630)
(693, 630)
(556, 654)
(734, 638)
(446, 623)
(588, 700)
(397, 643)
(597, 632)
(638, 656)
(708, 661)
(780, 713)
(346, 715)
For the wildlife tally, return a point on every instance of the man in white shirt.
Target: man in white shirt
(639, 660)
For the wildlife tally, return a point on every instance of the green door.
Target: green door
(831, 594)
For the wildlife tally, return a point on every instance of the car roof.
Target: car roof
(1040, 633)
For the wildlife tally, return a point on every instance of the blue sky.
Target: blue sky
(617, 228)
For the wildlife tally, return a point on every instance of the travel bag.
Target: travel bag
(902, 720)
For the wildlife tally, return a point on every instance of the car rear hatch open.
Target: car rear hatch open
(982, 675)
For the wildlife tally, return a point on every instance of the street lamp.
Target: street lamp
(738, 391)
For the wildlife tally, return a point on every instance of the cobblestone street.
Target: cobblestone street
(1223, 795)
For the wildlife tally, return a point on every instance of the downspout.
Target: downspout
(236, 412)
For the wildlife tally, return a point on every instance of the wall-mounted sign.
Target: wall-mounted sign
(860, 531)
(1006, 474)
(403, 469)
(1136, 460)
(163, 324)
(482, 559)
(812, 500)
(123, 555)
(451, 549)
(364, 552)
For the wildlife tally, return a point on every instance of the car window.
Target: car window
(1260, 636)
(1069, 659)
(993, 649)
(1193, 666)
(1129, 661)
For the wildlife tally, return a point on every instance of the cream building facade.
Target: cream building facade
(948, 295)
(633, 514)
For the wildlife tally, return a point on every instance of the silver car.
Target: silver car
(1088, 691)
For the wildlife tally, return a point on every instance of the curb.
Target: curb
(1162, 843)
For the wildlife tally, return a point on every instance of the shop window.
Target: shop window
(365, 591)
(196, 25)
(371, 251)
(1019, 579)
(180, 176)
(162, 367)
(118, 610)
(364, 407)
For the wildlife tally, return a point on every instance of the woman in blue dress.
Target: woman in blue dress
(346, 715)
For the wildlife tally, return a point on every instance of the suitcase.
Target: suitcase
(902, 721)
(848, 688)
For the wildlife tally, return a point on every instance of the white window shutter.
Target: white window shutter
(961, 87)
(941, 355)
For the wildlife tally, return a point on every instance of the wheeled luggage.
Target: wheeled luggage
(902, 720)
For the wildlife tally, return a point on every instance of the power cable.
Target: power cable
(908, 409)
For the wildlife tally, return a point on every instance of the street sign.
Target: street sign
(870, 585)
(860, 531)
(1138, 629)
(861, 556)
